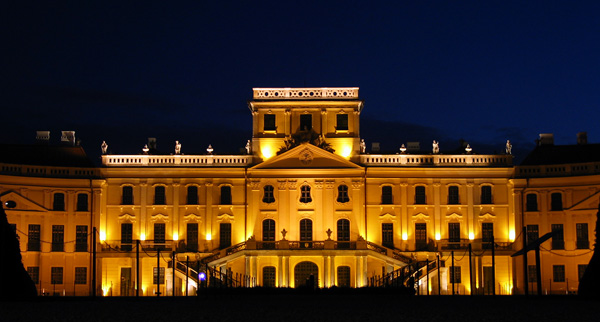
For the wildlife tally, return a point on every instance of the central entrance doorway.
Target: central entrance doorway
(306, 274)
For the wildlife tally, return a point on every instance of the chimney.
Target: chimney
(152, 143)
(68, 137)
(413, 146)
(375, 147)
(546, 139)
(42, 137)
(581, 138)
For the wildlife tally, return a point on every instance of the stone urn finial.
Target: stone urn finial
(283, 233)
(328, 232)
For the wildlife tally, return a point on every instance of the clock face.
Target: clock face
(306, 157)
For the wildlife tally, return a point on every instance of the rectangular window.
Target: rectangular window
(454, 232)
(269, 276)
(581, 270)
(558, 239)
(342, 122)
(305, 122)
(487, 234)
(455, 274)
(192, 237)
(59, 202)
(420, 236)
(58, 238)
(486, 195)
(531, 204)
(533, 233)
(81, 238)
(159, 195)
(81, 275)
(558, 273)
(387, 235)
(127, 195)
(343, 276)
(126, 236)
(192, 195)
(387, 198)
(270, 122)
(532, 273)
(56, 275)
(453, 198)
(224, 235)
(583, 241)
(159, 235)
(556, 202)
(82, 202)
(158, 275)
(225, 195)
(34, 273)
(420, 196)
(33, 240)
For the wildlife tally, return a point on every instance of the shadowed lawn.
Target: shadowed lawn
(289, 305)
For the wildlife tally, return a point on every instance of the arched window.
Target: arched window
(343, 194)
(305, 194)
(269, 233)
(305, 230)
(268, 196)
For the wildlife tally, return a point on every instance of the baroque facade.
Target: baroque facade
(305, 206)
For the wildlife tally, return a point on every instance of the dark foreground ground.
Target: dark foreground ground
(357, 305)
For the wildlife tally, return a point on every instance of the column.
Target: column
(175, 225)
(437, 220)
(326, 271)
(143, 203)
(403, 220)
(470, 220)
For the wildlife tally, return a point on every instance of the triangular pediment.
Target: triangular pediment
(306, 156)
(22, 203)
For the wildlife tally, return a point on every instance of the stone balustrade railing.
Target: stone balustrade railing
(176, 160)
(558, 170)
(435, 160)
(306, 93)
(48, 171)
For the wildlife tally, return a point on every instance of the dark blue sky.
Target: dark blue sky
(122, 71)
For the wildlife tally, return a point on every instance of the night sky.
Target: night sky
(123, 71)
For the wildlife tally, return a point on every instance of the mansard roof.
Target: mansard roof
(45, 155)
(563, 154)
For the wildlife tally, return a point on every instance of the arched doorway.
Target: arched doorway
(306, 274)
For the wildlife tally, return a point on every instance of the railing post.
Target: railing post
(137, 268)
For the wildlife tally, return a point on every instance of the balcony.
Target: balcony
(476, 245)
(146, 245)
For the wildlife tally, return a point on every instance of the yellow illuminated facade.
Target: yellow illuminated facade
(286, 217)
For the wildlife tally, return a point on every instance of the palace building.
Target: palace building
(305, 206)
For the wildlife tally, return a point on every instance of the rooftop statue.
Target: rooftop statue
(508, 147)
(104, 147)
(248, 147)
(436, 147)
(177, 147)
(363, 146)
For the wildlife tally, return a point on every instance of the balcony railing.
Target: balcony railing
(176, 160)
(476, 244)
(146, 245)
(439, 160)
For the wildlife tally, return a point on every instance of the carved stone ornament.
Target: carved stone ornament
(306, 157)
(283, 233)
(329, 232)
